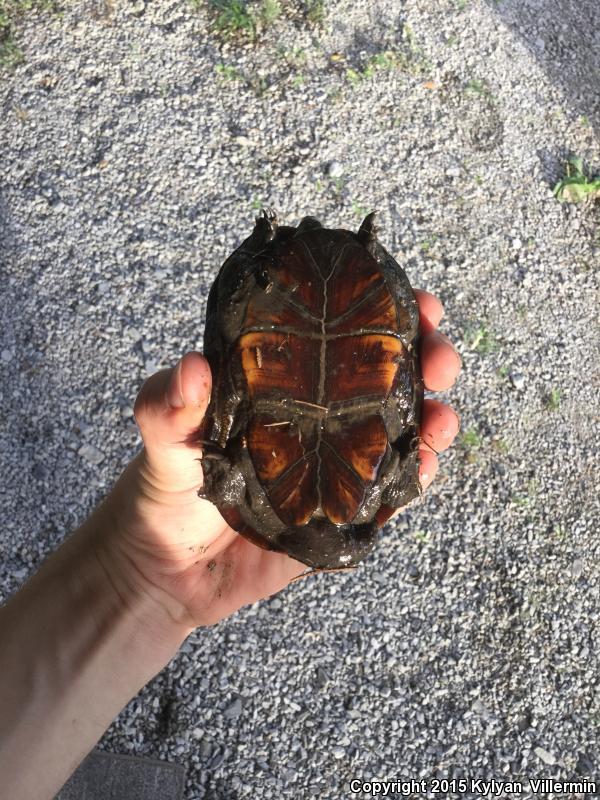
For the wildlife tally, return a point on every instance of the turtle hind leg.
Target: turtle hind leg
(223, 482)
(215, 469)
(404, 485)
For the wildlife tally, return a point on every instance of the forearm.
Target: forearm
(73, 651)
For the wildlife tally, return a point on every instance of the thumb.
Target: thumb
(168, 411)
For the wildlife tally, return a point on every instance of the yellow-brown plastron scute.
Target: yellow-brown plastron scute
(274, 447)
(355, 276)
(288, 474)
(375, 311)
(361, 366)
(298, 273)
(342, 491)
(278, 365)
(362, 444)
(294, 494)
(263, 309)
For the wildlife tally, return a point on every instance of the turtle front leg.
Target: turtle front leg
(367, 233)
(265, 230)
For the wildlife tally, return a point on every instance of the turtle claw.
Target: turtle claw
(267, 221)
(265, 228)
(367, 233)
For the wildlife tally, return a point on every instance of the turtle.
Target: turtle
(311, 436)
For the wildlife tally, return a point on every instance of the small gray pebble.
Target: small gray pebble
(322, 678)
(517, 379)
(523, 723)
(91, 454)
(576, 568)
(206, 748)
(234, 710)
(217, 760)
(137, 7)
(132, 334)
(413, 570)
(544, 755)
(335, 169)
(479, 708)
(151, 366)
(39, 472)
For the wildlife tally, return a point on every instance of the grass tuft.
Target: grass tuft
(270, 10)
(482, 89)
(228, 72)
(387, 60)
(233, 17)
(482, 340)
(315, 11)
(470, 442)
(470, 439)
(238, 19)
(11, 11)
(552, 401)
(576, 186)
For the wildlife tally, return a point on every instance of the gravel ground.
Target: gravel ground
(136, 145)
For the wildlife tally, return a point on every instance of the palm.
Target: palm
(180, 545)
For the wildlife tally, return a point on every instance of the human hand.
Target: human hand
(165, 541)
(440, 365)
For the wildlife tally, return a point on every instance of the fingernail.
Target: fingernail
(175, 393)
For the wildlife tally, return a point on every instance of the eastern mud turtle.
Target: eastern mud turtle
(312, 432)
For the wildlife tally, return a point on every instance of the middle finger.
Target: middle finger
(440, 363)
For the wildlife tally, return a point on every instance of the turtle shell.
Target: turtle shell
(311, 436)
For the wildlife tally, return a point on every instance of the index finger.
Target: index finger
(431, 311)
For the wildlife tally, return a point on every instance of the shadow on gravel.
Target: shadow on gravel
(6, 233)
(564, 37)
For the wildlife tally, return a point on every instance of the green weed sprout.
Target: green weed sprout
(576, 186)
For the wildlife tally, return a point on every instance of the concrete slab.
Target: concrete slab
(106, 776)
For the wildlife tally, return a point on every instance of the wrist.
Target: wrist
(77, 645)
(110, 571)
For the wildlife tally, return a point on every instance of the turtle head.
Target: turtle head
(307, 224)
